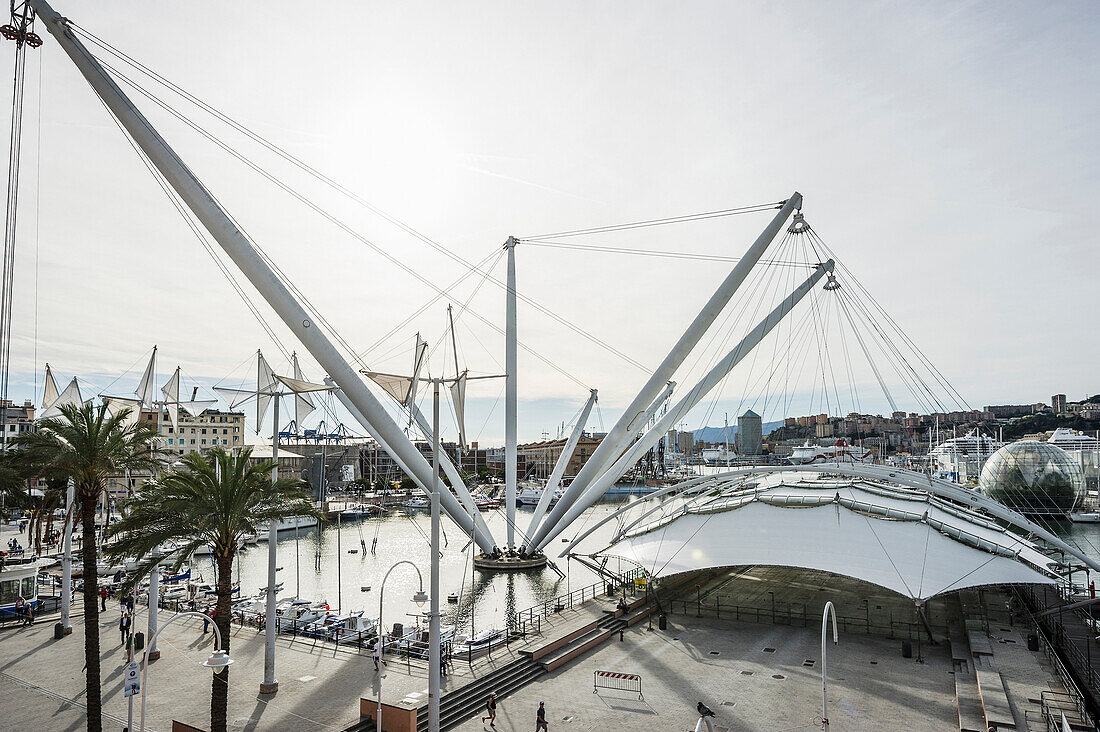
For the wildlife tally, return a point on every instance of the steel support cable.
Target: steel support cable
(897, 361)
(764, 283)
(325, 179)
(198, 232)
(495, 255)
(6, 299)
(735, 310)
(339, 224)
(926, 362)
(777, 343)
(657, 253)
(867, 354)
(661, 222)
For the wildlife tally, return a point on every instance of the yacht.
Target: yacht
(961, 458)
(838, 452)
(531, 494)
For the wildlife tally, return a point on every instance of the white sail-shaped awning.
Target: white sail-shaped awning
(420, 357)
(458, 399)
(144, 391)
(917, 545)
(71, 396)
(398, 387)
(303, 402)
(265, 384)
(171, 392)
(195, 407)
(49, 391)
(115, 405)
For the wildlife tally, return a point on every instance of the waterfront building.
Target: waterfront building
(540, 457)
(1058, 403)
(16, 419)
(212, 428)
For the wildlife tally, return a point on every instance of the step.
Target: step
(994, 699)
(461, 704)
(576, 648)
(968, 700)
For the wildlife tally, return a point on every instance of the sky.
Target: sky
(944, 152)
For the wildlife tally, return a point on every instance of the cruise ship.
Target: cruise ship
(838, 452)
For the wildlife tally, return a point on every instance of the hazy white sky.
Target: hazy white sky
(944, 150)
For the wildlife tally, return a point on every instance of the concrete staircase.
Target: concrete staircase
(461, 704)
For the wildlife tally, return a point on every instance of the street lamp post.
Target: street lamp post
(67, 559)
(434, 651)
(218, 660)
(829, 610)
(420, 597)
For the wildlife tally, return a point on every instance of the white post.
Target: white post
(67, 559)
(433, 617)
(559, 467)
(237, 246)
(829, 610)
(620, 435)
(510, 397)
(685, 405)
(154, 607)
(270, 685)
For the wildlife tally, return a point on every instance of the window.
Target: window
(204, 442)
(9, 592)
(225, 431)
(29, 590)
(192, 440)
(204, 430)
(236, 430)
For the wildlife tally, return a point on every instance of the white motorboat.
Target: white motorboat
(416, 502)
(479, 644)
(1085, 517)
(531, 495)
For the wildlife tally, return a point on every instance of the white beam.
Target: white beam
(620, 435)
(559, 467)
(511, 448)
(685, 405)
(237, 246)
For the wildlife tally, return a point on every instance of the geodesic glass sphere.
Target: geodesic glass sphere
(1033, 478)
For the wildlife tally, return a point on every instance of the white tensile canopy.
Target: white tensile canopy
(899, 538)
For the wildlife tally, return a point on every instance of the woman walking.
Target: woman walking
(491, 708)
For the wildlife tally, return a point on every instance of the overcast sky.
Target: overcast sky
(946, 152)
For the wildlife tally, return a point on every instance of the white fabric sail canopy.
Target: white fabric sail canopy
(898, 538)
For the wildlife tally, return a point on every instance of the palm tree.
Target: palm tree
(86, 445)
(212, 499)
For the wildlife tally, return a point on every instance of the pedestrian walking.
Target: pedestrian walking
(540, 719)
(103, 599)
(205, 620)
(376, 652)
(491, 708)
(124, 626)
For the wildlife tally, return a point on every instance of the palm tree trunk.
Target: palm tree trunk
(219, 690)
(91, 611)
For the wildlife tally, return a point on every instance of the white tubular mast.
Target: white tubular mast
(620, 435)
(446, 499)
(559, 467)
(511, 449)
(245, 256)
(706, 384)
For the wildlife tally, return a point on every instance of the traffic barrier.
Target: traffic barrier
(616, 681)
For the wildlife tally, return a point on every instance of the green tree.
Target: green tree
(85, 444)
(212, 499)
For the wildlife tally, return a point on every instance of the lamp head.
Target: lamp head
(218, 660)
(420, 598)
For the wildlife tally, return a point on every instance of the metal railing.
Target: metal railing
(797, 615)
(524, 619)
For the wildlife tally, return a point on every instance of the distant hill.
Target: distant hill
(718, 434)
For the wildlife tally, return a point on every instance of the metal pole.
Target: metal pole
(618, 438)
(339, 563)
(433, 617)
(829, 610)
(154, 608)
(270, 685)
(67, 559)
(510, 397)
(236, 245)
